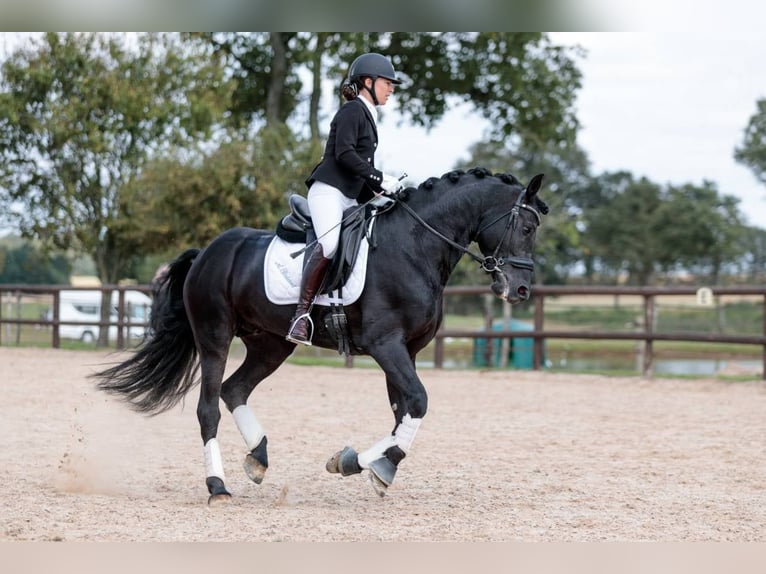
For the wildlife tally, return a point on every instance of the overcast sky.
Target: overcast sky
(670, 106)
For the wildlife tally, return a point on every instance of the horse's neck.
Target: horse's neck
(455, 217)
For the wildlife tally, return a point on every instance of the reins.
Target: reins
(490, 263)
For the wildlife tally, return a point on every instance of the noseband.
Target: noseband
(491, 263)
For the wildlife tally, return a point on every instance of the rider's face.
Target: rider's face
(383, 89)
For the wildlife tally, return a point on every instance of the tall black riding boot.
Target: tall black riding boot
(313, 274)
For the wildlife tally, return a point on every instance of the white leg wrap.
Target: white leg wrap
(375, 451)
(213, 460)
(405, 432)
(403, 438)
(249, 427)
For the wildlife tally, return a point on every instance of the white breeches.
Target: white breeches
(327, 205)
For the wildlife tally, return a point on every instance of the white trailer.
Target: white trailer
(85, 306)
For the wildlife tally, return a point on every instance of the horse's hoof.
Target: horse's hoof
(384, 470)
(345, 462)
(219, 499)
(218, 493)
(332, 463)
(378, 485)
(255, 470)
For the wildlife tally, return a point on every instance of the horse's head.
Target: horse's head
(506, 238)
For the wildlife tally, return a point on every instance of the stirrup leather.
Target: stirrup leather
(309, 330)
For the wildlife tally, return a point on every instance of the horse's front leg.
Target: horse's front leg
(409, 402)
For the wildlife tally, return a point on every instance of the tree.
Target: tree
(28, 264)
(752, 152)
(522, 82)
(80, 115)
(244, 181)
(702, 229)
(639, 227)
(753, 261)
(621, 230)
(264, 65)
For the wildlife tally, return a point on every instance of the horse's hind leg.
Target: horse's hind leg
(265, 353)
(212, 365)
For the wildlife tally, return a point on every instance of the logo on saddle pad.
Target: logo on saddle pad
(282, 276)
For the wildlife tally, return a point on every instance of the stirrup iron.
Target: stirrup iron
(309, 330)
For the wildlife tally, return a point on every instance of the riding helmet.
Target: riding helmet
(373, 65)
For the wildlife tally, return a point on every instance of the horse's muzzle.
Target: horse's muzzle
(508, 292)
(522, 292)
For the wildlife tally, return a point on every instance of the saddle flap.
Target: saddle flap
(351, 235)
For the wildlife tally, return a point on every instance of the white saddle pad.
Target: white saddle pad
(282, 275)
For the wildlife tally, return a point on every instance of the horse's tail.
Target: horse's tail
(164, 367)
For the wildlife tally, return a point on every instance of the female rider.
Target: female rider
(346, 170)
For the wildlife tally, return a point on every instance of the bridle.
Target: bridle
(490, 263)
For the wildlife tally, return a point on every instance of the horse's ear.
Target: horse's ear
(533, 187)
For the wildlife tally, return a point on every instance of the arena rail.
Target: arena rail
(17, 291)
(647, 334)
(539, 333)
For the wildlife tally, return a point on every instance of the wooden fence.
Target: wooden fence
(53, 292)
(541, 293)
(647, 334)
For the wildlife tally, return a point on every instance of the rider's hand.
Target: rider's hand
(390, 185)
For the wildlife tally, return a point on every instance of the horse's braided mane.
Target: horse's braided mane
(479, 173)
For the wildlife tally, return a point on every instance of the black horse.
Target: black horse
(208, 297)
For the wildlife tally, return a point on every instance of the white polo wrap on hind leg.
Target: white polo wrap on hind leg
(249, 427)
(213, 460)
(403, 437)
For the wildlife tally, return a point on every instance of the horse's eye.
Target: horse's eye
(527, 229)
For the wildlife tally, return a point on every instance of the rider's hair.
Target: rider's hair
(350, 88)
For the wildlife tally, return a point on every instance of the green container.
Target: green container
(520, 351)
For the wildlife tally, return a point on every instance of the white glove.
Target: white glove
(390, 185)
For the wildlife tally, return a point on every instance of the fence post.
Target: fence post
(648, 341)
(56, 318)
(505, 342)
(537, 354)
(490, 346)
(120, 316)
(438, 353)
(439, 342)
(763, 369)
(18, 318)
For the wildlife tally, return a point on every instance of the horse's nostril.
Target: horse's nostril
(523, 292)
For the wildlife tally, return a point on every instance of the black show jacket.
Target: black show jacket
(348, 162)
